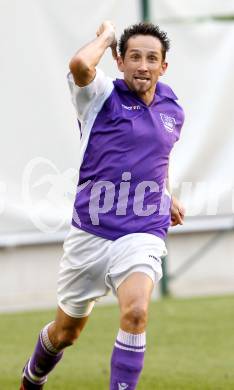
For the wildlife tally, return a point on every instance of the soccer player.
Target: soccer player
(123, 209)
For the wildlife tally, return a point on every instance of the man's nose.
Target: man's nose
(143, 65)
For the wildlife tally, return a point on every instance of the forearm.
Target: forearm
(90, 54)
(84, 62)
(177, 209)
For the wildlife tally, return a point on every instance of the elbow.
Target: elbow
(75, 63)
(78, 65)
(82, 72)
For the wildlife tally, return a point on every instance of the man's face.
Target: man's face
(142, 65)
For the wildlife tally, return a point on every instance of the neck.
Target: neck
(147, 97)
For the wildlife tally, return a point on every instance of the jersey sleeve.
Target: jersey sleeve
(179, 121)
(83, 98)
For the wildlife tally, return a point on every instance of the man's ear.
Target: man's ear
(163, 68)
(120, 63)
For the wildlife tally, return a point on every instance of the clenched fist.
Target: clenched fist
(108, 28)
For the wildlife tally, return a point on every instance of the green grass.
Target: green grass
(190, 347)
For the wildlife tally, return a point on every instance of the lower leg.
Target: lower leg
(128, 354)
(52, 340)
(43, 359)
(127, 360)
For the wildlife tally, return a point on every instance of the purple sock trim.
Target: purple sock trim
(45, 348)
(129, 346)
(135, 340)
(46, 341)
(28, 376)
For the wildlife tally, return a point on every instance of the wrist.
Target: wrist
(109, 37)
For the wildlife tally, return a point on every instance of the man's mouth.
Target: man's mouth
(141, 78)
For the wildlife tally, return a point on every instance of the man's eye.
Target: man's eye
(153, 58)
(135, 57)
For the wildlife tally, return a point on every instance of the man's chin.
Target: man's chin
(141, 87)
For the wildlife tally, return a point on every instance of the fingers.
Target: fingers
(177, 218)
(181, 211)
(108, 28)
(177, 212)
(107, 25)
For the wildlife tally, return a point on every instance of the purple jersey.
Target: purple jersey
(125, 148)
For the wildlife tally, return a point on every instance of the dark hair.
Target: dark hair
(144, 29)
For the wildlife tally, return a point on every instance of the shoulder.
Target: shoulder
(164, 90)
(97, 86)
(91, 96)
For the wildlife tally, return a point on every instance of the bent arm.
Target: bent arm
(177, 209)
(83, 63)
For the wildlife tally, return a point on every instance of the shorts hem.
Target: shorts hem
(71, 313)
(134, 268)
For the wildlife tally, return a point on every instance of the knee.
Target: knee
(134, 318)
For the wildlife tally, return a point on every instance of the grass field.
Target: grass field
(190, 347)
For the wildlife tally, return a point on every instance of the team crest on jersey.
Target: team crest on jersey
(168, 121)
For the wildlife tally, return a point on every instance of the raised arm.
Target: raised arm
(83, 64)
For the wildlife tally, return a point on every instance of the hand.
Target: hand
(177, 212)
(109, 28)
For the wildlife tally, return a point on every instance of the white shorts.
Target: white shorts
(92, 266)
